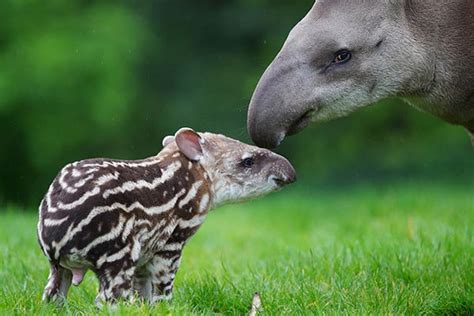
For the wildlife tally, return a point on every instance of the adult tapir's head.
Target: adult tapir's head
(343, 55)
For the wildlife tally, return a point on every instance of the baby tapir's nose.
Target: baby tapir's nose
(284, 172)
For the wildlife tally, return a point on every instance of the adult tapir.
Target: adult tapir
(347, 54)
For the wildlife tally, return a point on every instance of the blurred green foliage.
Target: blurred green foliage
(82, 79)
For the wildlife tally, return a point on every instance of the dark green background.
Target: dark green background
(82, 79)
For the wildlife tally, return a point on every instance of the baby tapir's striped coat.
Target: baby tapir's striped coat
(128, 220)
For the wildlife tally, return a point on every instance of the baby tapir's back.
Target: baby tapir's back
(97, 207)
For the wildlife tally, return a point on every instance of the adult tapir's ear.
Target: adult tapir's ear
(189, 143)
(167, 140)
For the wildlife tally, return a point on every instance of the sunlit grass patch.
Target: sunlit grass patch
(407, 249)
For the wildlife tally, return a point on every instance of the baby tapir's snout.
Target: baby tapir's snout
(282, 172)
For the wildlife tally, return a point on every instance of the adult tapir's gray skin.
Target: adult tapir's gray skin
(419, 50)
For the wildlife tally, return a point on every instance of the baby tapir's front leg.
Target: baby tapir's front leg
(166, 262)
(154, 282)
(116, 272)
(165, 265)
(116, 281)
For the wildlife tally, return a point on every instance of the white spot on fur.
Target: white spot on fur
(118, 255)
(83, 181)
(54, 222)
(63, 183)
(79, 201)
(193, 222)
(106, 178)
(191, 194)
(40, 230)
(128, 228)
(203, 205)
(76, 173)
(173, 246)
(136, 251)
(246, 155)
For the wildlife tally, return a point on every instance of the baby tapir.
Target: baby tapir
(128, 221)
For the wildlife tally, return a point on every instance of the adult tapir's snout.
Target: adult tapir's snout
(284, 100)
(279, 105)
(264, 121)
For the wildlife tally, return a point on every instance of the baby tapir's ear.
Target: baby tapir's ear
(167, 140)
(189, 143)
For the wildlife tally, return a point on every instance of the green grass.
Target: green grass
(405, 249)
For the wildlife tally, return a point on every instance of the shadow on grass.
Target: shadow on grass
(464, 309)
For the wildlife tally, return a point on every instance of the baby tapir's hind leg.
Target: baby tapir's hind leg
(59, 281)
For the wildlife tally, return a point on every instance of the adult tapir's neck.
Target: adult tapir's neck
(446, 30)
(443, 25)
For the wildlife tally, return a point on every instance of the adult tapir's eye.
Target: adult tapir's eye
(342, 56)
(247, 162)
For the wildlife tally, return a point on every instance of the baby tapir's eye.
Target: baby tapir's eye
(247, 162)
